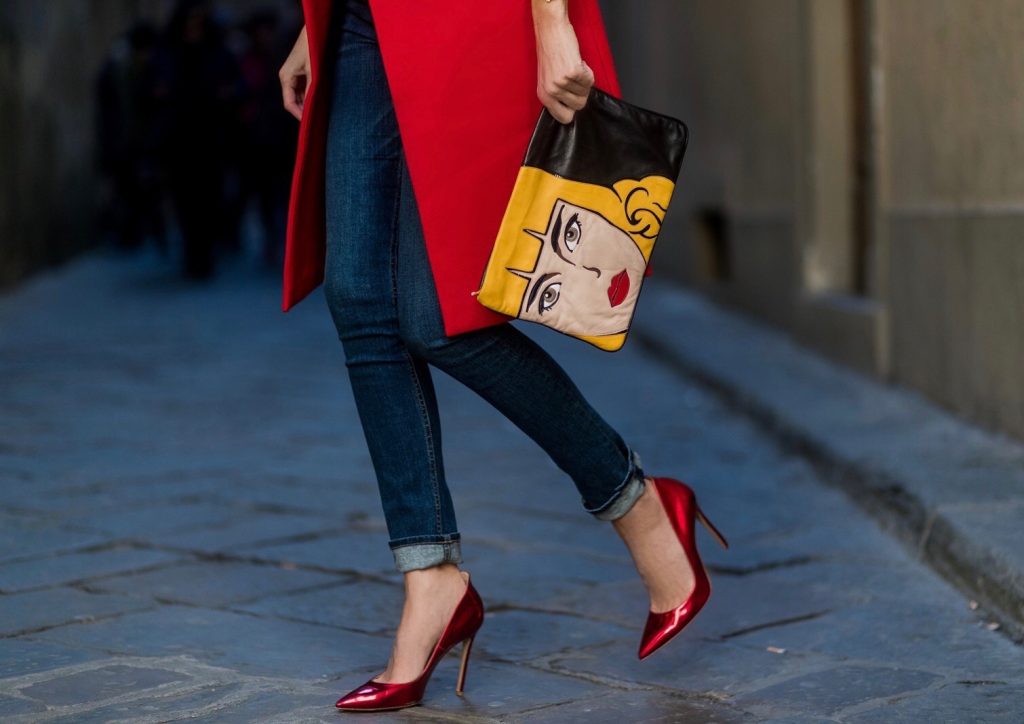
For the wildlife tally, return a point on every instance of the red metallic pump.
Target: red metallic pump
(680, 503)
(466, 620)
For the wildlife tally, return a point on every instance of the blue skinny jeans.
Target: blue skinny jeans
(380, 291)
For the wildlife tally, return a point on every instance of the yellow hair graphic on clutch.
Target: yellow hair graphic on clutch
(572, 254)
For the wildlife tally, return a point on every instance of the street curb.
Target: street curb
(952, 493)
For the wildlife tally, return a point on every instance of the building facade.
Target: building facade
(853, 177)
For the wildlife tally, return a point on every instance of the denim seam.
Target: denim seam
(429, 437)
(411, 365)
(413, 540)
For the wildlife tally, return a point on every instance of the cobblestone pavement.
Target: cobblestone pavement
(190, 529)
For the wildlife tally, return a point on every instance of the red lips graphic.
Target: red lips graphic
(618, 289)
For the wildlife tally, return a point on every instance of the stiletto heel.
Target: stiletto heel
(710, 526)
(466, 620)
(680, 504)
(466, 647)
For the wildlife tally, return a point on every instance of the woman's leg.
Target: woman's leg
(532, 390)
(518, 377)
(393, 390)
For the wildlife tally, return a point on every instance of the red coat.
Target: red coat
(463, 79)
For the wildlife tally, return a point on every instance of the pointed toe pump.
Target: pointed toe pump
(462, 626)
(680, 503)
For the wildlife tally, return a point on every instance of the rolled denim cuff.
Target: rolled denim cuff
(626, 494)
(414, 556)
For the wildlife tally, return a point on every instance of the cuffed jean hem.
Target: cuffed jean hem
(626, 494)
(413, 556)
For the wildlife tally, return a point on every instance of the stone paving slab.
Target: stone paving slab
(24, 656)
(67, 568)
(245, 643)
(640, 707)
(697, 666)
(369, 606)
(827, 693)
(172, 517)
(498, 689)
(361, 499)
(154, 689)
(214, 583)
(202, 434)
(525, 635)
(354, 551)
(99, 684)
(36, 610)
(926, 635)
(181, 702)
(28, 535)
(512, 574)
(991, 702)
(241, 530)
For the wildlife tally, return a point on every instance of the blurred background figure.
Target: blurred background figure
(268, 136)
(202, 141)
(131, 124)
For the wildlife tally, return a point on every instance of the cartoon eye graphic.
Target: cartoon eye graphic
(549, 297)
(573, 233)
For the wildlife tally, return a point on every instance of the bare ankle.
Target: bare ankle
(641, 509)
(444, 574)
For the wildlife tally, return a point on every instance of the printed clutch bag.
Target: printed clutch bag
(587, 206)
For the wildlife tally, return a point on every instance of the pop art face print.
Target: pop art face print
(587, 276)
(586, 209)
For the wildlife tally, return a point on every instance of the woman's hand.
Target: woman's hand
(563, 77)
(294, 75)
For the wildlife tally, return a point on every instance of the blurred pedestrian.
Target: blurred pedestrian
(205, 92)
(267, 137)
(132, 94)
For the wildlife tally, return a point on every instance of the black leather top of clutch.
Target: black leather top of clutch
(608, 140)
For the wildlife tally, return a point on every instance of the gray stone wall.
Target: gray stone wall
(49, 56)
(954, 187)
(860, 161)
